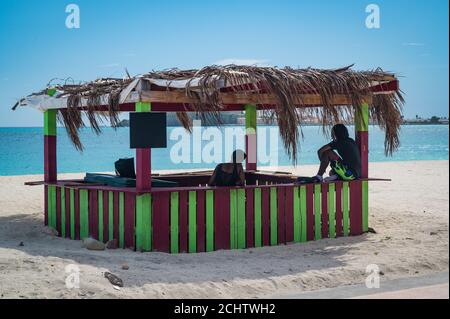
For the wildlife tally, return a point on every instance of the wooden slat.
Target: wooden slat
(174, 214)
(46, 205)
(250, 217)
(240, 98)
(100, 216)
(130, 208)
(332, 210)
(317, 212)
(309, 212)
(58, 210)
(281, 229)
(77, 214)
(355, 208)
(116, 216)
(289, 214)
(258, 217)
(183, 221)
(240, 220)
(296, 214)
(338, 207)
(93, 214)
(345, 209)
(209, 220)
(160, 222)
(222, 219)
(67, 211)
(325, 214)
(105, 216)
(192, 237)
(265, 214)
(201, 221)
(121, 219)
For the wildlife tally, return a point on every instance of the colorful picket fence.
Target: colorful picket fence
(206, 219)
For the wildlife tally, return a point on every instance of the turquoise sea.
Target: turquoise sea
(21, 149)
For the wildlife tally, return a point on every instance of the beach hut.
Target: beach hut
(271, 209)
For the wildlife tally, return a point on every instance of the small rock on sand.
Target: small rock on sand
(113, 279)
(125, 267)
(93, 244)
(112, 244)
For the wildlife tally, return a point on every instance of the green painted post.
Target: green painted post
(257, 195)
(332, 209)
(84, 213)
(209, 220)
(51, 199)
(345, 211)
(241, 242)
(365, 204)
(63, 212)
(296, 215)
(174, 222)
(192, 221)
(273, 216)
(100, 215)
(50, 122)
(233, 209)
(303, 214)
(110, 215)
(317, 212)
(362, 128)
(121, 220)
(144, 222)
(72, 213)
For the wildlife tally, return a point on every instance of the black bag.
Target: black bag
(125, 167)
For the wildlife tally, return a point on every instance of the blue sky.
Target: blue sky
(143, 35)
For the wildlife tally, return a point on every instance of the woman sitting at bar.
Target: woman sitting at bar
(230, 174)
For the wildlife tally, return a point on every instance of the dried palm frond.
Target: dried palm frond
(285, 84)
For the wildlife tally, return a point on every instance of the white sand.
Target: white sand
(410, 215)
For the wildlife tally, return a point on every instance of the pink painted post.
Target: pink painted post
(143, 158)
(250, 137)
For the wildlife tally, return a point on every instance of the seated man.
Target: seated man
(346, 165)
(230, 174)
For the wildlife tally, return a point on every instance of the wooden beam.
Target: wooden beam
(176, 97)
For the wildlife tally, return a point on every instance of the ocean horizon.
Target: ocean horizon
(21, 148)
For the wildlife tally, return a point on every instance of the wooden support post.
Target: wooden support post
(362, 139)
(250, 137)
(50, 172)
(143, 158)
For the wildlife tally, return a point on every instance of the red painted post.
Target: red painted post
(77, 214)
(106, 217)
(339, 214)
(161, 226)
(67, 209)
(129, 223)
(93, 214)
(289, 214)
(265, 212)
(201, 221)
(143, 158)
(355, 208)
(116, 216)
(310, 212)
(280, 215)
(58, 210)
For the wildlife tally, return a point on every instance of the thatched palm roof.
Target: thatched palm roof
(102, 99)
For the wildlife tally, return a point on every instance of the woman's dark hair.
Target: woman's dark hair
(340, 131)
(238, 156)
